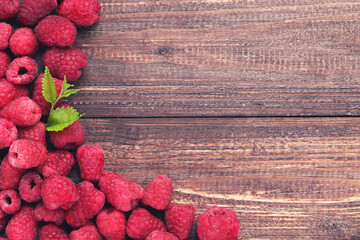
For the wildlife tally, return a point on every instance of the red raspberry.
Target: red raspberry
(23, 42)
(58, 191)
(52, 232)
(22, 225)
(86, 233)
(91, 161)
(141, 223)
(8, 133)
(69, 138)
(3, 223)
(89, 204)
(56, 31)
(7, 92)
(30, 187)
(67, 61)
(9, 175)
(81, 12)
(179, 220)
(158, 193)
(56, 216)
(4, 63)
(157, 235)
(5, 32)
(10, 201)
(21, 71)
(35, 133)
(22, 111)
(26, 154)
(32, 11)
(8, 8)
(111, 224)
(59, 162)
(218, 223)
(120, 192)
(21, 91)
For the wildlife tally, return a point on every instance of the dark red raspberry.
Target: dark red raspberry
(218, 223)
(21, 71)
(158, 235)
(23, 42)
(58, 191)
(10, 201)
(141, 223)
(52, 232)
(158, 193)
(21, 91)
(111, 224)
(59, 162)
(8, 8)
(86, 233)
(179, 220)
(30, 187)
(4, 63)
(22, 111)
(22, 225)
(8, 133)
(91, 160)
(27, 154)
(120, 192)
(56, 216)
(35, 133)
(3, 223)
(9, 175)
(32, 11)
(69, 138)
(65, 61)
(5, 32)
(81, 12)
(56, 31)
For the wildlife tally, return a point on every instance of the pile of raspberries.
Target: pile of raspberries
(36, 198)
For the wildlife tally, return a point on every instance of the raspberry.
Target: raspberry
(120, 192)
(218, 223)
(8, 132)
(89, 204)
(9, 175)
(8, 8)
(91, 161)
(52, 232)
(22, 111)
(58, 191)
(157, 235)
(35, 133)
(111, 224)
(7, 92)
(81, 12)
(10, 201)
(67, 61)
(5, 32)
(21, 91)
(59, 162)
(141, 223)
(22, 225)
(56, 31)
(30, 187)
(158, 193)
(69, 138)
(3, 223)
(21, 71)
(4, 63)
(86, 233)
(179, 220)
(26, 154)
(56, 216)
(32, 11)
(23, 42)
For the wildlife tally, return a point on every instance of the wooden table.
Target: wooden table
(246, 104)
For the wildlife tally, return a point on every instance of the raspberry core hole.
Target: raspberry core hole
(32, 184)
(8, 200)
(22, 71)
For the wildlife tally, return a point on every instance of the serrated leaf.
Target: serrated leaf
(48, 87)
(69, 92)
(61, 118)
(66, 85)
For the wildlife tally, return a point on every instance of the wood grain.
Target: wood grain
(287, 178)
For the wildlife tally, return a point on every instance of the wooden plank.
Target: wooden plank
(222, 58)
(287, 178)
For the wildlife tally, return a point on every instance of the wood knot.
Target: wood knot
(163, 50)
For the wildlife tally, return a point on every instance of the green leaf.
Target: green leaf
(61, 118)
(48, 87)
(66, 85)
(69, 92)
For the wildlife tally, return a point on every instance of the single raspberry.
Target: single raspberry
(158, 193)
(56, 31)
(141, 223)
(8, 8)
(218, 223)
(8, 133)
(21, 91)
(91, 161)
(21, 71)
(67, 61)
(111, 224)
(59, 162)
(179, 220)
(30, 187)
(120, 192)
(22, 111)
(32, 11)
(69, 138)
(22, 225)
(26, 154)
(52, 232)
(9, 175)
(10, 201)
(81, 12)
(5, 32)
(89, 204)
(56, 216)
(36, 133)
(58, 191)
(4, 63)
(23, 42)
(86, 233)
(7, 92)
(158, 235)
